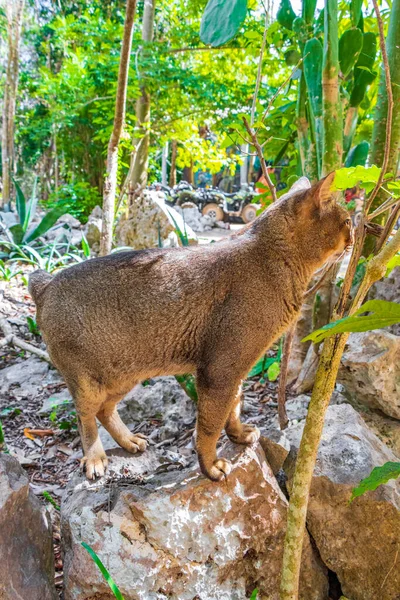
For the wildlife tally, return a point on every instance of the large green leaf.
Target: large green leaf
(104, 572)
(17, 233)
(30, 208)
(358, 155)
(378, 476)
(350, 46)
(285, 15)
(308, 11)
(348, 177)
(20, 204)
(363, 74)
(355, 10)
(47, 222)
(381, 314)
(313, 73)
(221, 20)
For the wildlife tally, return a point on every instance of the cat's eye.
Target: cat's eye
(348, 222)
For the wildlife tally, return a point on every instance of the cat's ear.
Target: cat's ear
(299, 186)
(324, 195)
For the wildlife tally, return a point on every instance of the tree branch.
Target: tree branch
(256, 144)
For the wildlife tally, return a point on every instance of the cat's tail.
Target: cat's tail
(38, 281)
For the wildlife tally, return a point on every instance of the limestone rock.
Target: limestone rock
(370, 370)
(144, 224)
(193, 217)
(388, 289)
(24, 380)
(26, 548)
(162, 398)
(93, 228)
(180, 536)
(359, 541)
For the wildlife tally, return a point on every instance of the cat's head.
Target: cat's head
(322, 227)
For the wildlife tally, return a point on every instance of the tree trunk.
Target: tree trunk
(172, 172)
(307, 454)
(332, 140)
(380, 115)
(14, 9)
(142, 128)
(110, 182)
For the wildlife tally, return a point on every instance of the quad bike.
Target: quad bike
(219, 205)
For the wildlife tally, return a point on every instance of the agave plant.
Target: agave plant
(26, 209)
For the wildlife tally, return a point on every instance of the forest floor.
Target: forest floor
(39, 422)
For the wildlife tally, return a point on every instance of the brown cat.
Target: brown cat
(112, 322)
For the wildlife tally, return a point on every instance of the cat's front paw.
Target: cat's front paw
(95, 467)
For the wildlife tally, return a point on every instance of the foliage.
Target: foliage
(381, 313)
(50, 499)
(188, 383)
(221, 20)
(377, 477)
(104, 572)
(78, 199)
(48, 257)
(2, 439)
(33, 326)
(26, 210)
(7, 273)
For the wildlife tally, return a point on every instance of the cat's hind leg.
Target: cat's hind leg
(110, 419)
(238, 432)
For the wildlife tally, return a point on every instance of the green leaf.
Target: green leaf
(20, 204)
(350, 46)
(392, 264)
(188, 383)
(17, 233)
(47, 222)
(363, 75)
(285, 15)
(355, 11)
(308, 11)
(254, 594)
(351, 176)
(221, 21)
(382, 314)
(313, 74)
(261, 365)
(358, 155)
(273, 371)
(85, 246)
(30, 208)
(2, 439)
(104, 572)
(377, 477)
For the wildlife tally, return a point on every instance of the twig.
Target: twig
(317, 285)
(383, 207)
(259, 71)
(391, 568)
(280, 88)
(258, 148)
(287, 347)
(389, 118)
(13, 340)
(388, 229)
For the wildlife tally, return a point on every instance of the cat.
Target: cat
(213, 310)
